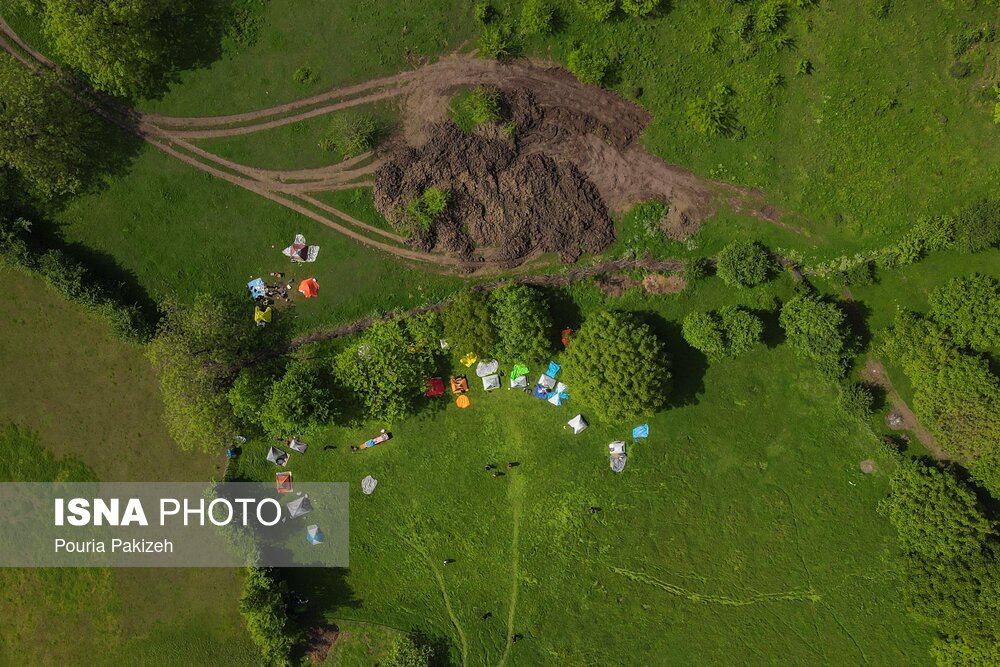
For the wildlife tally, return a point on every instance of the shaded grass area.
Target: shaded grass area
(741, 529)
(183, 232)
(87, 407)
(297, 145)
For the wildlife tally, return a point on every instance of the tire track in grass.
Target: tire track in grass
(419, 548)
(795, 595)
(517, 503)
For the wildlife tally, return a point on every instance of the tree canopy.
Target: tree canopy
(303, 397)
(618, 366)
(816, 329)
(523, 323)
(468, 324)
(385, 369)
(969, 308)
(744, 264)
(729, 332)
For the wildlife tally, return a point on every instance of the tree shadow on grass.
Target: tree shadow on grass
(565, 314)
(773, 335)
(687, 364)
(857, 313)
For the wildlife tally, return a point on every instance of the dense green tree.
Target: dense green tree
(301, 398)
(523, 323)
(969, 308)
(703, 331)
(588, 63)
(599, 10)
(639, 7)
(385, 371)
(730, 332)
(405, 651)
(265, 612)
(46, 136)
(743, 329)
(618, 366)
(744, 264)
(816, 329)
(536, 17)
(856, 400)
(197, 351)
(934, 513)
(468, 324)
(248, 393)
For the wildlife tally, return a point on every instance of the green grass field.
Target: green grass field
(75, 394)
(742, 529)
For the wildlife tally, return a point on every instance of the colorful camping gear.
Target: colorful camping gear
(547, 382)
(491, 382)
(518, 370)
(616, 452)
(299, 507)
(519, 382)
(257, 288)
(553, 369)
(487, 367)
(262, 317)
(565, 335)
(578, 424)
(463, 402)
(283, 480)
(540, 392)
(640, 432)
(459, 384)
(314, 535)
(277, 457)
(368, 485)
(297, 445)
(309, 288)
(299, 251)
(435, 386)
(557, 395)
(468, 359)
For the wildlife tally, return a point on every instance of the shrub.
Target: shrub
(959, 69)
(481, 106)
(351, 133)
(696, 269)
(599, 10)
(484, 12)
(618, 366)
(423, 211)
(302, 398)
(588, 64)
(816, 330)
(804, 67)
(639, 7)
(304, 76)
(730, 332)
(744, 264)
(265, 613)
(977, 226)
(384, 373)
(522, 322)
(770, 16)
(405, 651)
(536, 17)
(713, 114)
(496, 41)
(468, 324)
(857, 401)
(862, 273)
(969, 308)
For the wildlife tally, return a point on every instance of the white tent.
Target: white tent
(520, 382)
(491, 382)
(299, 506)
(558, 394)
(368, 485)
(547, 382)
(276, 456)
(487, 367)
(578, 424)
(616, 450)
(299, 251)
(297, 445)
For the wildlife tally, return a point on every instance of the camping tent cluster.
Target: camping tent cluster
(301, 505)
(264, 295)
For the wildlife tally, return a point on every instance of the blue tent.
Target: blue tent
(641, 431)
(540, 392)
(314, 535)
(256, 287)
(553, 369)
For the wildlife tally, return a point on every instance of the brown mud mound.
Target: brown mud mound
(509, 202)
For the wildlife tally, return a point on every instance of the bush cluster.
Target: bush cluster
(728, 332)
(351, 133)
(744, 264)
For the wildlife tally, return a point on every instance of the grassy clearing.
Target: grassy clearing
(179, 231)
(83, 401)
(731, 536)
(295, 146)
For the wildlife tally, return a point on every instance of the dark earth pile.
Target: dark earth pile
(508, 196)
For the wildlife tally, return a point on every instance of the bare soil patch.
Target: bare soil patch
(657, 283)
(320, 640)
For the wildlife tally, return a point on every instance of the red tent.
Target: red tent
(283, 480)
(309, 288)
(435, 386)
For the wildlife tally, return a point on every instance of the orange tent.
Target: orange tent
(309, 288)
(283, 480)
(463, 401)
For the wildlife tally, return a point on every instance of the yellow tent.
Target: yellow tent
(468, 359)
(463, 401)
(262, 317)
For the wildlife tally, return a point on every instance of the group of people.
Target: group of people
(278, 291)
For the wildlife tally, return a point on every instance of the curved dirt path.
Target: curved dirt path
(623, 175)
